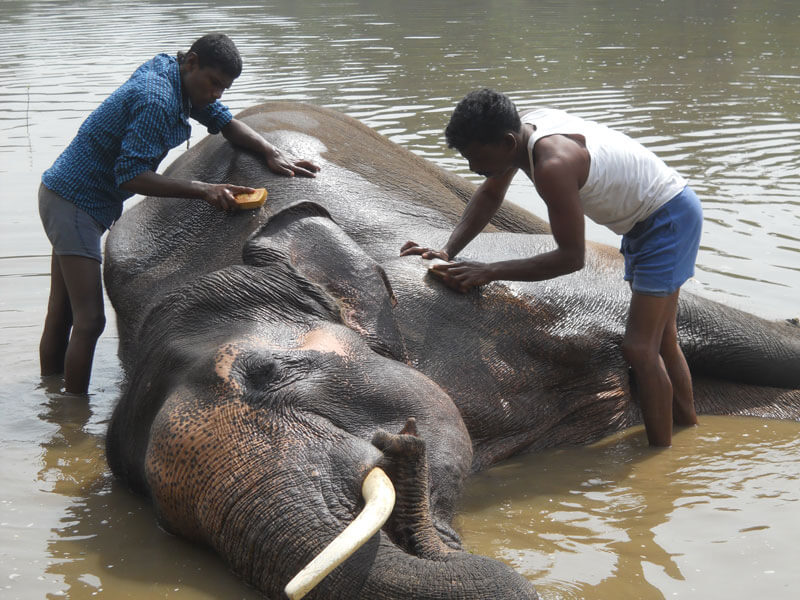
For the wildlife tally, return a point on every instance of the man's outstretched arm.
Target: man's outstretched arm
(242, 135)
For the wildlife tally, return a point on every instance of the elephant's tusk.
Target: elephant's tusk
(378, 494)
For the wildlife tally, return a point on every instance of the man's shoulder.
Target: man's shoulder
(156, 81)
(559, 156)
(160, 64)
(541, 112)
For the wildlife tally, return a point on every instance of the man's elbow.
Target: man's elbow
(575, 261)
(230, 129)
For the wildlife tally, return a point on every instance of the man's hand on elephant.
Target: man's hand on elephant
(412, 248)
(220, 195)
(283, 164)
(462, 276)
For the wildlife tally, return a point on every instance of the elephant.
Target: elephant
(272, 358)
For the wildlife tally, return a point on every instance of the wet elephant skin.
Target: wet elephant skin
(272, 357)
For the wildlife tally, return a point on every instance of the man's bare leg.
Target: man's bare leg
(683, 412)
(57, 324)
(82, 278)
(641, 346)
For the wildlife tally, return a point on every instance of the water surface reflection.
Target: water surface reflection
(620, 520)
(107, 542)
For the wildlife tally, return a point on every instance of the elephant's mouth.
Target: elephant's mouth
(408, 524)
(379, 498)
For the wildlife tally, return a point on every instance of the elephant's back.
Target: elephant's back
(358, 148)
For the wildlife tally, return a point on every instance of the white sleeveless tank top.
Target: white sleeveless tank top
(626, 182)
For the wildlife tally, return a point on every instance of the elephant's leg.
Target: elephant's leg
(717, 397)
(732, 345)
(410, 526)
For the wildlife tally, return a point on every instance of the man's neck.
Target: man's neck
(524, 137)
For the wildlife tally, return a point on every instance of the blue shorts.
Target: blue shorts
(71, 230)
(660, 251)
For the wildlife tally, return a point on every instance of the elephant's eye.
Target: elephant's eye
(259, 371)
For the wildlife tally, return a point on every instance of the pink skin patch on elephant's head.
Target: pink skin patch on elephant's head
(322, 341)
(223, 364)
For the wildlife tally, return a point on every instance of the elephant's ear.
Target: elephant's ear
(306, 236)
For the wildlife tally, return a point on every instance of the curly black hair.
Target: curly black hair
(216, 50)
(482, 116)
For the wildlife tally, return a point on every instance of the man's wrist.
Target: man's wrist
(199, 189)
(270, 152)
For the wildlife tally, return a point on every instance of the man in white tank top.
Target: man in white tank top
(583, 168)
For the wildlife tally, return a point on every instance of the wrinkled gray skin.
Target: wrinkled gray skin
(272, 357)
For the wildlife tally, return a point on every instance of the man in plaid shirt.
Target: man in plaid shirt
(114, 156)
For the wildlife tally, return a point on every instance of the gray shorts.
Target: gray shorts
(71, 230)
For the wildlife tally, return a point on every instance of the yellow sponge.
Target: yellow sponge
(253, 200)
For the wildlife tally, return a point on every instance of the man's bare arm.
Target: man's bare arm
(242, 135)
(220, 195)
(480, 209)
(560, 169)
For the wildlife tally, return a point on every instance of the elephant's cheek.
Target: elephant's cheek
(191, 453)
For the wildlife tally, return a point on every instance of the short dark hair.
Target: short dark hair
(216, 50)
(482, 116)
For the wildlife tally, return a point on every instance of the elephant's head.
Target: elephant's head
(264, 395)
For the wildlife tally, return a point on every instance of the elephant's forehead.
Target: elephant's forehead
(324, 338)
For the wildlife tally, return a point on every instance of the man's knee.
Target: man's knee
(90, 326)
(669, 339)
(639, 354)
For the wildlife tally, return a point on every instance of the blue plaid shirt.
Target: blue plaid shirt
(129, 133)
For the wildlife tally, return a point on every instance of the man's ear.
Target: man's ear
(510, 141)
(191, 60)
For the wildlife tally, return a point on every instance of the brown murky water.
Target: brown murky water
(714, 516)
(712, 87)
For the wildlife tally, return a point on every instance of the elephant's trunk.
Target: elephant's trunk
(406, 558)
(379, 501)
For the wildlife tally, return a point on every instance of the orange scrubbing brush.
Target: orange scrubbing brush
(253, 200)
